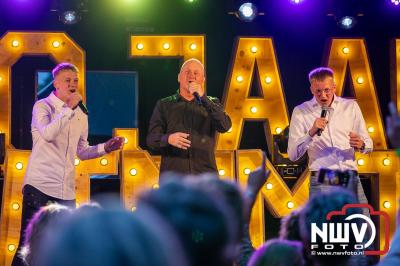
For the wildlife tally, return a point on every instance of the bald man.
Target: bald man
(183, 126)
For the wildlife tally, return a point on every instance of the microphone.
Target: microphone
(83, 108)
(323, 114)
(197, 97)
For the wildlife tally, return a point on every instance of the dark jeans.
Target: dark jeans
(33, 200)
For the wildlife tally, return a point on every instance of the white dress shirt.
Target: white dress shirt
(58, 133)
(332, 149)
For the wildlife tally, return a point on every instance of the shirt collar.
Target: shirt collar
(56, 101)
(335, 102)
(179, 97)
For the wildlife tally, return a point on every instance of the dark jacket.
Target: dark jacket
(200, 121)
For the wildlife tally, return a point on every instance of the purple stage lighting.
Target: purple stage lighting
(395, 2)
(298, 1)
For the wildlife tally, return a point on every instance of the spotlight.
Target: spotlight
(269, 186)
(395, 2)
(386, 204)
(69, 12)
(345, 50)
(103, 161)
(371, 129)
(193, 46)
(296, 1)
(247, 12)
(56, 44)
(166, 46)
(360, 80)
(133, 172)
(290, 205)
(268, 80)
(221, 172)
(70, 17)
(139, 46)
(347, 22)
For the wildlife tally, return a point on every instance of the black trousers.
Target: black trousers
(33, 200)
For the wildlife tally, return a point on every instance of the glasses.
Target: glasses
(320, 91)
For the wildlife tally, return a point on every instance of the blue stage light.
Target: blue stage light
(247, 12)
(347, 22)
(70, 17)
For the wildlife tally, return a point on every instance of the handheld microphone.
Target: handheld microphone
(324, 111)
(83, 108)
(197, 97)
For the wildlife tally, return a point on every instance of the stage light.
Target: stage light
(133, 208)
(360, 162)
(346, 50)
(253, 109)
(253, 49)
(193, 46)
(269, 186)
(126, 140)
(347, 22)
(70, 17)
(268, 80)
(371, 129)
(360, 80)
(395, 2)
(1, 79)
(191, 1)
(246, 171)
(77, 162)
(56, 44)
(221, 172)
(103, 161)
(386, 162)
(156, 186)
(290, 205)
(19, 165)
(15, 206)
(239, 78)
(296, 1)
(139, 46)
(14, 43)
(166, 46)
(230, 130)
(247, 12)
(133, 172)
(278, 130)
(386, 204)
(11, 247)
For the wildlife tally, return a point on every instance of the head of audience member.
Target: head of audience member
(315, 211)
(192, 71)
(198, 219)
(278, 252)
(230, 195)
(112, 237)
(290, 229)
(322, 85)
(65, 77)
(47, 216)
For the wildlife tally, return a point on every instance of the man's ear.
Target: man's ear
(179, 77)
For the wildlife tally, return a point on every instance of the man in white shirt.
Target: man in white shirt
(332, 140)
(59, 132)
